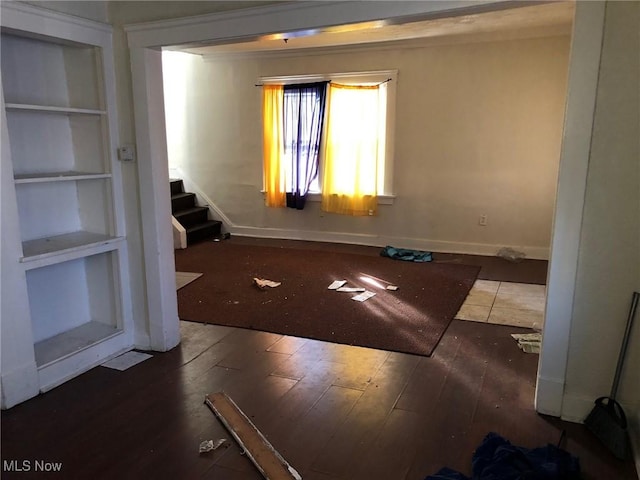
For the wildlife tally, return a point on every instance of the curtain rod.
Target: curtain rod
(329, 81)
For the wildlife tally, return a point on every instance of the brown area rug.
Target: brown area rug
(411, 319)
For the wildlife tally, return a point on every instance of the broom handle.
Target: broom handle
(625, 344)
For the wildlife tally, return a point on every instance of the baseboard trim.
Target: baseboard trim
(549, 396)
(19, 385)
(537, 253)
(575, 408)
(467, 248)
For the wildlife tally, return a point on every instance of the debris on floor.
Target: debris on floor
(528, 342)
(350, 289)
(126, 360)
(496, 458)
(263, 282)
(406, 254)
(267, 460)
(210, 445)
(393, 288)
(366, 295)
(336, 284)
(511, 255)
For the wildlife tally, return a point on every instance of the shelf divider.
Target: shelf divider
(58, 177)
(54, 109)
(72, 341)
(59, 245)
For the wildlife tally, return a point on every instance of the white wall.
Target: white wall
(93, 10)
(478, 131)
(609, 258)
(119, 14)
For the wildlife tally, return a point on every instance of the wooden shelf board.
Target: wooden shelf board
(59, 244)
(72, 341)
(53, 109)
(58, 177)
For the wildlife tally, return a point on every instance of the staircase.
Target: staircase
(193, 218)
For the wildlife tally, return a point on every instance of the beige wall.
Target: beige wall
(478, 131)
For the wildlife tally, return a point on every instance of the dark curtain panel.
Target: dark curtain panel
(304, 106)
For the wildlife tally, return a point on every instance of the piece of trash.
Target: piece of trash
(406, 254)
(366, 295)
(392, 287)
(126, 360)
(336, 284)
(511, 255)
(351, 289)
(263, 282)
(209, 445)
(250, 440)
(528, 342)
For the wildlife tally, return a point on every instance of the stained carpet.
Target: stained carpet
(411, 319)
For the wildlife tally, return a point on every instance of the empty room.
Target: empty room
(394, 235)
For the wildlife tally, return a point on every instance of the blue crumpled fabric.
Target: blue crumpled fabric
(497, 459)
(406, 254)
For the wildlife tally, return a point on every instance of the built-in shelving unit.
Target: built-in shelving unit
(60, 122)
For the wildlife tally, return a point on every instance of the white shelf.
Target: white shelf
(58, 177)
(43, 248)
(69, 308)
(52, 109)
(72, 341)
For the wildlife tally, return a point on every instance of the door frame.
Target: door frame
(146, 40)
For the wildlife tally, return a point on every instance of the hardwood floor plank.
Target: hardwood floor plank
(390, 455)
(352, 440)
(335, 412)
(447, 425)
(301, 443)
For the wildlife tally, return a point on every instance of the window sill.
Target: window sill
(317, 197)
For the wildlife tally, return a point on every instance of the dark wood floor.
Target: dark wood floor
(333, 411)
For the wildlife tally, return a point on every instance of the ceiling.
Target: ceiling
(543, 19)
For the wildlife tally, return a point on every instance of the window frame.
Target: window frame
(390, 78)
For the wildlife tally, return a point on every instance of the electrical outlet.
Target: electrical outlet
(482, 221)
(126, 153)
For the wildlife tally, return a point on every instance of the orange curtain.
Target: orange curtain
(273, 145)
(349, 182)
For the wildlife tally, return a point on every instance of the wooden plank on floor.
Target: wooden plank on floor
(257, 447)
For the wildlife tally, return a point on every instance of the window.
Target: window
(303, 118)
(343, 154)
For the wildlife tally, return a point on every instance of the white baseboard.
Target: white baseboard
(383, 240)
(575, 408)
(19, 385)
(531, 252)
(549, 396)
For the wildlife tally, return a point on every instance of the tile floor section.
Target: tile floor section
(185, 278)
(504, 303)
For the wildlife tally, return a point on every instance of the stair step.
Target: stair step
(192, 216)
(203, 231)
(182, 201)
(176, 186)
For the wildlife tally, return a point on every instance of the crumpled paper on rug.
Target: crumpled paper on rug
(263, 282)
